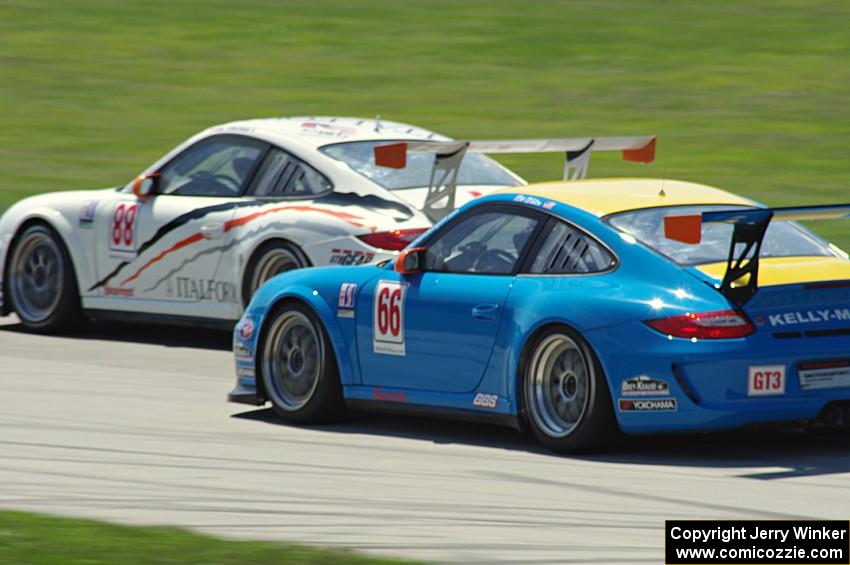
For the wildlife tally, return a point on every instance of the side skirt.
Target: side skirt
(389, 407)
(146, 318)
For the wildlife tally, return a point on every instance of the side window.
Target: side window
(567, 251)
(482, 242)
(282, 174)
(217, 166)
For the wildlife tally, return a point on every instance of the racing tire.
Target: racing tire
(565, 395)
(42, 284)
(272, 258)
(298, 367)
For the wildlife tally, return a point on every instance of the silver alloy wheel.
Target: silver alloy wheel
(558, 385)
(37, 276)
(273, 262)
(292, 360)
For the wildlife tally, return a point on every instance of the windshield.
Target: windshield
(360, 156)
(783, 239)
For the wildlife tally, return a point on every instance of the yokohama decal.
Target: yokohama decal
(388, 319)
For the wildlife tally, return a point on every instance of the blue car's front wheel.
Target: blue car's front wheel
(566, 399)
(298, 367)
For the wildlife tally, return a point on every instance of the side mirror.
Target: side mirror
(143, 186)
(410, 261)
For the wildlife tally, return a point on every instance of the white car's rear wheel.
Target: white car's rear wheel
(271, 259)
(42, 286)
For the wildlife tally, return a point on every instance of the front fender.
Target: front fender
(23, 213)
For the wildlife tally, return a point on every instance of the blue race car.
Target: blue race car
(577, 309)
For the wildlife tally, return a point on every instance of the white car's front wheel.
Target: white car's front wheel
(42, 285)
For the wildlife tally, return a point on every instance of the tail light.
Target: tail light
(722, 324)
(394, 240)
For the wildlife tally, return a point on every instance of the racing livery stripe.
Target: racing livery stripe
(239, 222)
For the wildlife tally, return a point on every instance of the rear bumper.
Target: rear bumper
(705, 384)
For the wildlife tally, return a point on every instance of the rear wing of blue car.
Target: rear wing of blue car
(740, 281)
(449, 154)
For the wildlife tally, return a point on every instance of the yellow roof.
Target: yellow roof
(608, 196)
(791, 270)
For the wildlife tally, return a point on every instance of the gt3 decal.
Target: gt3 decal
(388, 319)
(648, 405)
(485, 400)
(766, 380)
(642, 385)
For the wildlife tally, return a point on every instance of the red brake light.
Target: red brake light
(394, 240)
(722, 324)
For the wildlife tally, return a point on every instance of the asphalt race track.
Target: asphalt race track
(131, 425)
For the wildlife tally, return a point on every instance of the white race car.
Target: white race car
(201, 229)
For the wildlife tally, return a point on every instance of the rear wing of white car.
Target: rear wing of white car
(449, 154)
(740, 282)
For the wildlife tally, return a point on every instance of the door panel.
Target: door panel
(445, 328)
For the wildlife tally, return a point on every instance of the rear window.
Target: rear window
(360, 156)
(783, 239)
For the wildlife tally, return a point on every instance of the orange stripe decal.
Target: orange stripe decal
(239, 222)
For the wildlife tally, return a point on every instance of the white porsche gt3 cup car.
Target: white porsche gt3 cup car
(201, 229)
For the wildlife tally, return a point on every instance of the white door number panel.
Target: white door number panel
(766, 380)
(122, 227)
(388, 319)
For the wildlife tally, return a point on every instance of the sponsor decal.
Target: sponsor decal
(483, 400)
(235, 223)
(120, 292)
(388, 395)
(206, 289)
(242, 353)
(350, 257)
(810, 317)
(245, 372)
(642, 385)
(246, 328)
(549, 205)
(530, 200)
(122, 227)
(648, 405)
(329, 130)
(346, 295)
(87, 212)
(388, 318)
(824, 374)
(766, 380)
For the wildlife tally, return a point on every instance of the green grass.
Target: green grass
(45, 540)
(751, 95)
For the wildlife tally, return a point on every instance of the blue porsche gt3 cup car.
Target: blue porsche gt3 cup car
(577, 309)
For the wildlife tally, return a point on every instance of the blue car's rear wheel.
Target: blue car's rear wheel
(565, 395)
(298, 367)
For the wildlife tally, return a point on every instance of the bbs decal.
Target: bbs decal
(388, 318)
